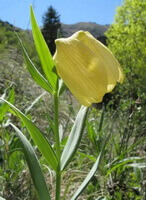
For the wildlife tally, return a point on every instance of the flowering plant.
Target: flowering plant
(90, 71)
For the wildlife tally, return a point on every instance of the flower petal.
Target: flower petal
(81, 70)
(87, 67)
(87, 101)
(112, 66)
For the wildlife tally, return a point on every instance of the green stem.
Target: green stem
(56, 126)
(102, 118)
(58, 184)
(57, 145)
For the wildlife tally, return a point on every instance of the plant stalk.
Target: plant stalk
(102, 118)
(57, 145)
(56, 126)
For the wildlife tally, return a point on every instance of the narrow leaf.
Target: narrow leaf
(74, 137)
(4, 107)
(34, 102)
(92, 172)
(122, 155)
(42, 143)
(34, 167)
(36, 75)
(123, 162)
(43, 51)
(138, 165)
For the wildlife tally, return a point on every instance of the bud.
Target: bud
(87, 67)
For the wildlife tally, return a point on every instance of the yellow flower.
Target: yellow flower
(87, 67)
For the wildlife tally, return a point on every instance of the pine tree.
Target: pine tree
(51, 25)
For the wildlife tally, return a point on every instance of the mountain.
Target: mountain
(95, 29)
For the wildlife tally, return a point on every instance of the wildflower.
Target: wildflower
(87, 67)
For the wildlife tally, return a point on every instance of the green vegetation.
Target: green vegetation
(121, 173)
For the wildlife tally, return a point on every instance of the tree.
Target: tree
(126, 39)
(51, 25)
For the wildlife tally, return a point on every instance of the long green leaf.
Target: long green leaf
(137, 165)
(43, 51)
(4, 107)
(122, 155)
(34, 102)
(34, 167)
(123, 162)
(36, 75)
(87, 179)
(39, 139)
(92, 171)
(74, 137)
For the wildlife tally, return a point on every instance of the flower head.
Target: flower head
(87, 67)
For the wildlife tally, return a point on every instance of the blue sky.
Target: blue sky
(16, 12)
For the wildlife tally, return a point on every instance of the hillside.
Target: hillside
(95, 29)
(12, 67)
(11, 59)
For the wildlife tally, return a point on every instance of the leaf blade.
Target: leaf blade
(123, 162)
(34, 166)
(42, 143)
(36, 75)
(43, 51)
(74, 137)
(92, 172)
(4, 107)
